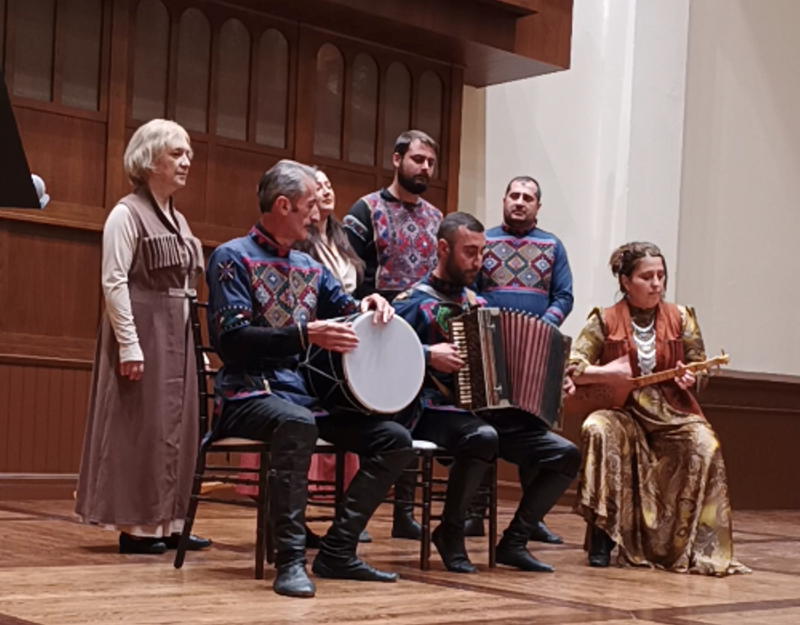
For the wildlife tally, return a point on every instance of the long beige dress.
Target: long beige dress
(653, 476)
(141, 436)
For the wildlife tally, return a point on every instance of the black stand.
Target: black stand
(16, 186)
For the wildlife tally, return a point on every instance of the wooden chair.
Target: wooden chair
(434, 489)
(325, 495)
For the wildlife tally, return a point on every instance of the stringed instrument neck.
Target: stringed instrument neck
(669, 374)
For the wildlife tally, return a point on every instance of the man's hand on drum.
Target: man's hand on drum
(334, 336)
(383, 309)
(445, 358)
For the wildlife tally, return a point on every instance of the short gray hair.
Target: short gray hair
(286, 179)
(148, 143)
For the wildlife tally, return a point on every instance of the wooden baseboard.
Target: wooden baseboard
(21, 486)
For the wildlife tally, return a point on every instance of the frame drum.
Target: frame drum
(384, 374)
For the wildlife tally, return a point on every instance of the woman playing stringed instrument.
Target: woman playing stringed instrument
(653, 479)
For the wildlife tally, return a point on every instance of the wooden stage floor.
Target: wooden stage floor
(54, 571)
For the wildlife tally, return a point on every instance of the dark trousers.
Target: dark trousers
(547, 462)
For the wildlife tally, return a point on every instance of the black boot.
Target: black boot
(292, 445)
(337, 557)
(474, 525)
(462, 486)
(403, 523)
(312, 538)
(195, 542)
(537, 499)
(541, 533)
(600, 548)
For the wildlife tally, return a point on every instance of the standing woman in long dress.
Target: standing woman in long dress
(141, 437)
(327, 243)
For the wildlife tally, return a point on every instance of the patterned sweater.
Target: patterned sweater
(528, 272)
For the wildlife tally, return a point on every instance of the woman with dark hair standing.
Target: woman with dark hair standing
(653, 480)
(327, 244)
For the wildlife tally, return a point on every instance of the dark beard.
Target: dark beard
(410, 185)
(454, 274)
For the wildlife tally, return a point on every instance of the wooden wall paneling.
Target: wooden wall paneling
(172, 71)
(58, 50)
(6, 416)
(309, 44)
(252, 101)
(119, 85)
(63, 284)
(69, 152)
(211, 148)
(191, 201)
(15, 416)
(234, 202)
(452, 127)
(53, 423)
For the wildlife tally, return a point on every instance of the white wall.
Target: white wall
(740, 196)
(604, 139)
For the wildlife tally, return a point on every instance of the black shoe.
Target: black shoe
(337, 557)
(364, 537)
(292, 580)
(453, 552)
(148, 546)
(542, 534)
(474, 527)
(195, 542)
(404, 526)
(352, 568)
(519, 557)
(312, 539)
(600, 548)
(403, 523)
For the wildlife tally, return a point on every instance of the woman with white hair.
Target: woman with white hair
(142, 428)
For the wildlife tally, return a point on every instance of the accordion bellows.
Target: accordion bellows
(511, 359)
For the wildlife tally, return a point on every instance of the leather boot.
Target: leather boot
(462, 486)
(337, 557)
(600, 548)
(537, 499)
(403, 523)
(292, 445)
(541, 533)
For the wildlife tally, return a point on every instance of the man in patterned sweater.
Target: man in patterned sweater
(267, 303)
(525, 268)
(394, 232)
(476, 439)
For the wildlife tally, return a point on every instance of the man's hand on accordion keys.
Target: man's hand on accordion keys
(445, 358)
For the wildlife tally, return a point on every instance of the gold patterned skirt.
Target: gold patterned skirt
(659, 490)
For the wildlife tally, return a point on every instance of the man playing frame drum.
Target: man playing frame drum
(267, 305)
(514, 435)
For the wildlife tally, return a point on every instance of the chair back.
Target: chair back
(206, 368)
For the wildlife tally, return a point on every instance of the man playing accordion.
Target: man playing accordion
(475, 441)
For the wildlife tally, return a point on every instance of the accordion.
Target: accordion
(511, 359)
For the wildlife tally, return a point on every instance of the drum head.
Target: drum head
(386, 370)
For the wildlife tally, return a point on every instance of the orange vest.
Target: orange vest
(669, 348)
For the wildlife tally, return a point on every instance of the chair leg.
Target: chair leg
(493, 515)
(427, 498)
(197, 484)
(263, 534)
